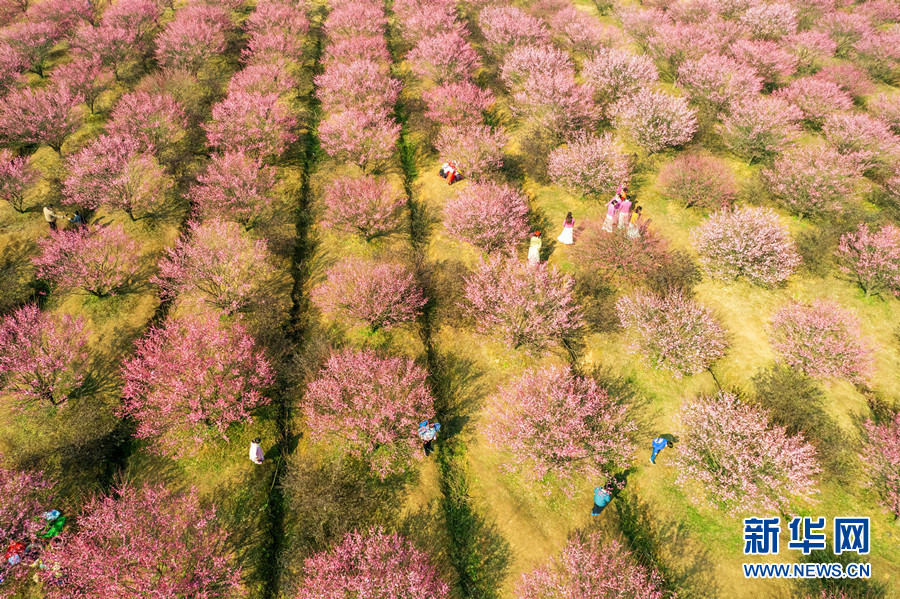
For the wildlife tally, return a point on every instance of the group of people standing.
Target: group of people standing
(623, 212)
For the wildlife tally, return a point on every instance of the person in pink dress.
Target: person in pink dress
(566, 236)
(624, 212)
(610, 214)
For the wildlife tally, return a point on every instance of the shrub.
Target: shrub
(557, 428)
(476, 149)
(588, 563)
(655, 120)
(872, 258)
(385, 565)
(671, 332)
(850, 78)
(369, 407)
(811, 48)
(716, 81)
(490, 216)
(589, 164)
(812, 180)
(880, 54)
(748, 243)
(822, 339)
(190, 379)
(760, 128)
(698, 180)
(614, 74)
(881, 461)
(235, 187)
(367, 206)
(530, 306)
(731, 458)
(816, 97)
(377, 295)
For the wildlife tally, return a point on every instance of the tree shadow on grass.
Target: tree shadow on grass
(459, 391)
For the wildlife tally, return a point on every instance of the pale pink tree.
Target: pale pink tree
(867, 142)
(715, 81)
(872, 258)
(420, 19)
(811, 48)
(886, 107)
(113, 47)
(880, 458)
(813, 180)
(267, 78)
(190, 380)
(769, 59)
(369, 406)
(490, 216)
(372, 563)
(698, 180)
(817, 98)
(219, 262)
(731, 458)
(590, 164)
(197, 34)
(274, 43)
(63, 14)
(144, 541)
(476, 149)
(363, 85)
(555, 428)
(760, 128)
(626, 261)
(746, 243)
(48, 115)
(26, 495)
(675, 42)
(880, 53)
(364, 138)
(505, 27)
(444, 58)
(822, 339)
(286, 17)
(583, 32)
(368, 206)
(850, 78)
(845, 28)
(99, 260)
(671, 332)
(158, 122)
(590, 567)
(235, 187)
(355, 19)
(770, 21)
(457, 103)
(528, 306)
(380, 295)
(85, 76)
(655, 120)
(115, 172)
(260, 125)
(613, 74)
(525, 64)
(42, 356)
(355, 48)
(16, 176)
(30, 43)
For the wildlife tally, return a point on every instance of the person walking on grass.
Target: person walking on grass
(50, 216)
(610, 221)
(602, 498)
(256, 452)
(568, 230)
(658, 444)
(634, 226)
(624, 209)
(428, 433)
(534, 248)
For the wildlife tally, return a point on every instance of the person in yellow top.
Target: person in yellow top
(634, 225)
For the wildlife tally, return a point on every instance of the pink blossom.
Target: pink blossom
(872, 258)
(99, 259)
(642, 22)
(30, 43)
(352, 19)
(364, 138)
(270, 78)
(197, 34)
(46, 115)
(457, 104)
(731, 458)
(718, 81)
(157, 122)
(444, 58)
(887, 109)
(845, 28)
(373, 563)
(42, 357)
(363, 85)
(369, 406)
(655, 120)
(671, 332)
(850, 78)
(368, 206)
(881, 461)
(880, 53)
(771, 61)
(770, 21)
(529, 306)
(235, 187)
(64, 15)
(490, 216)
(16, 176)
(507, 27)
(476, 149)
(760, 127)
(748, 243)
(812, 180)
(822, 339)
(867, 143)
(357, 48)
(810, 48)
(620, 259)
(377, 295)
(86, 77)
(698, 180)
(879, 11)
(257, 124)
(559, 429)
(584, 32)
(590, 164)
(613, 74)
(526, 64)
(192, 378)
(816, 97)
(273, 45)
(589, 564)
(419, 19)
(677, 42)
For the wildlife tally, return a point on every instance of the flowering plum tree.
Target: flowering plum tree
(219, 262)
(190, 379)
(880, 53)
(378, 295)
(626, 261)
(748, 243)
(813, 180)
(115, 172)
(490, 216)
(530, 306)
(197, 34)
(589, 563)
(235, 186)
(886, 108)
(41, 356)
(672, 332)
(157, 122)
(457, 104)
(364, 138)
(355, 48)
(675, 42)
(26, 495)
(760, 128)
(444, 58)
(613, 74)
(872, 258)
(525, 64)
(770, 21)
(85, 76)
(30, 44)
(716, 81)
(420, 19)
(850, 78)
(590, 164)
(822, 339)
(505, 27)
(558, 428)
(141, 541)
(769, 59)
(655, 120)
(355, 19)
(865, 141)
(368, 206)
(99, 260)
(16, 176)
(476, 149)
(369, 407)
(361, 84)
(731, 458)
(699, 180)
(373, 563)
(811, 48)
(268, 78)
(816, 97)
(881, 461)
(260, 125)
(47, 115)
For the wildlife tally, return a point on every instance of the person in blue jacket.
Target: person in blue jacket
(601, 500)
(658, 445)
(428, 433)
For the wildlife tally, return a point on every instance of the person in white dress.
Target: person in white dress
(256, 452)
(566, 236)
(534, 248)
